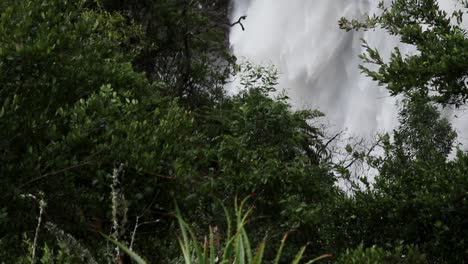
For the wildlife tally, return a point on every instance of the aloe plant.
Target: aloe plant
(236, 250)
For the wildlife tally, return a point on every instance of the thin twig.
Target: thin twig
(134, 232)
(54, 173)
(119, 207)
(328, 142)
(367, 154)
(160, 176)
(42, 205)
(239, 21)
(143, 212)
(137, 225)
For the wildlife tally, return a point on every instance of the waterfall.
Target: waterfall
(318, 62)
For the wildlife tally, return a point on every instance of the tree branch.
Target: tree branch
(239, 21)
(328, 142)
(54, 173)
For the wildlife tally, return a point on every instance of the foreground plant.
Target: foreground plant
(237, 248)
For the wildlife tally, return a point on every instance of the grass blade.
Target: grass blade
(280, 249)
(299, 255)
(239, 251)
(129, 252)
(212, 247)
(324, 256)
(184, 243)
(186, 230)
(246, 243)
(186, 254)
(257, 259)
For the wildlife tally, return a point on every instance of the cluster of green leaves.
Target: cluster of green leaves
(72, 106)
(376, 255)
(48, 61)
(59, 253)
(438, 69)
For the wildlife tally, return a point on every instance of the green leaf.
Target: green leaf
(129, 252)
(280, 249)
(324, 256)
(258, 257)
(299, 255)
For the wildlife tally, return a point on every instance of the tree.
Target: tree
(438, 70)
(260, 147)
(185, 44)
(422, 134)
(419, 195)
(73, 108)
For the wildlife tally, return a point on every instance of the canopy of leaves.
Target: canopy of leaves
(184, 43)
(438, 68)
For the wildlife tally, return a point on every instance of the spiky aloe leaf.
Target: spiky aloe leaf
(258, 257)
(299, 255)
(280, 249)
(186, 230)
(324, 256)
(185, 252)
(184, 242)
(212, 247)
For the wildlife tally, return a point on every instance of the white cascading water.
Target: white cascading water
(318, 62)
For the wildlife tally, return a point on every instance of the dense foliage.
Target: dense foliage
(112, 110)
(438, 69)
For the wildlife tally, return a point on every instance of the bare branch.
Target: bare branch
(239, 21)
(54, 173)
(328, 142)
(137, 225)
(42, 204)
